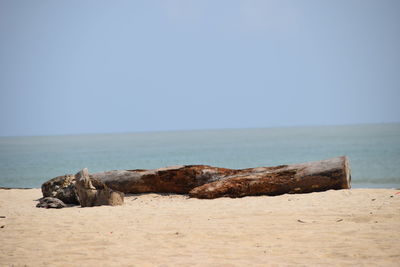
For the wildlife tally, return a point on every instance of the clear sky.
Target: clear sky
(69, 67)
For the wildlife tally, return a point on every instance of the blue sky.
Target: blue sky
(69, 67)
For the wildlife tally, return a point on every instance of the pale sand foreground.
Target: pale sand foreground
(360, 227)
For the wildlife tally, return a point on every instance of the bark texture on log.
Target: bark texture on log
(298, 178)
(92, 192)
(176, 179)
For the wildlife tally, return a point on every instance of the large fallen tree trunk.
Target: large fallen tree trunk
(203, 181)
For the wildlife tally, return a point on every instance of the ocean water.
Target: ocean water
(373, 150)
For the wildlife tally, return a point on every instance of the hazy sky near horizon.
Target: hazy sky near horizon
(69, 67)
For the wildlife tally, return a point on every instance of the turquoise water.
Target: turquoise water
(373, 150)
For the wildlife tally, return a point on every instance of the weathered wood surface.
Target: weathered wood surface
(61, 187)
(176, 179)
(204, 181)
(298, 178)
(92, 192)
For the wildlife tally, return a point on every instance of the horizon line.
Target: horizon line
(199, 129)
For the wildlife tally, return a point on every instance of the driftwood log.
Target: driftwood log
(202, 181)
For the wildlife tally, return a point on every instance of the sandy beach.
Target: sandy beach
(346, 227)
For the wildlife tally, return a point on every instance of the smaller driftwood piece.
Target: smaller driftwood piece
(92, 192)
(50, 203)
